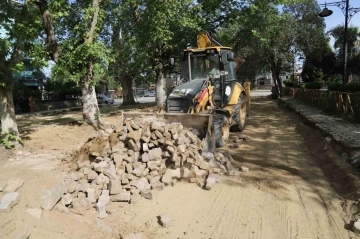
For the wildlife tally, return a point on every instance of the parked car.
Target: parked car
(104, 99)
(150, 93)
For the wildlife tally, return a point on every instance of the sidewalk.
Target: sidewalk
(340, 130)
(46, 113)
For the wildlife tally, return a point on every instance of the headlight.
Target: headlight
(227, 90)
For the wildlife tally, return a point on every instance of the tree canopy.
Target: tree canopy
(130, 41)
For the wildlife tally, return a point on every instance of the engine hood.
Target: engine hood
(187, 90)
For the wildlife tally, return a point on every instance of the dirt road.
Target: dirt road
(292, 190)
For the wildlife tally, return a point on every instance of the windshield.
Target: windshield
(202, 66)
(229, 66)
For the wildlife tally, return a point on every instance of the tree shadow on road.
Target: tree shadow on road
(282, 151)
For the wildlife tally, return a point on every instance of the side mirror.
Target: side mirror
(172, 61)
(230, 56)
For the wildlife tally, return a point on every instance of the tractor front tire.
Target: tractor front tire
(240, 115)
(222, 130)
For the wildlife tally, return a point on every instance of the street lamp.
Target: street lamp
(349, 12)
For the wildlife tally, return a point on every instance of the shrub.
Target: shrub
(313, 85)
(297, 85)
(352, 87)
(288, 83)
(336, 86)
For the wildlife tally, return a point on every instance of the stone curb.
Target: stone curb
(311, 122)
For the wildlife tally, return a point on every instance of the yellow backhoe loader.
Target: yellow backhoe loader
(209, 99)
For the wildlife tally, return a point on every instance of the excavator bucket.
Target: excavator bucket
(202, 123)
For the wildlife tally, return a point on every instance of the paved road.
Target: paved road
(255, 93)
(138, 99)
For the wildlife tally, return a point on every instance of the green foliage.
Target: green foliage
(105, 83)
(353, 47)
(349, 87)
(352, 87)
(289, 83)
(336, 86)
(314, 85)
(311, 74)
(22, 91)
(11, 140)
(79, 52)
(21, 37)
(62, 89)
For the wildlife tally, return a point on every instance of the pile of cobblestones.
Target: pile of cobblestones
(131, 161)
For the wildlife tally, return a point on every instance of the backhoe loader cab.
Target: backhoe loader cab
(216, 64)
(208, 74)
(208, 98)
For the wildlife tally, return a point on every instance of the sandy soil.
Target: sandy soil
(298, 187)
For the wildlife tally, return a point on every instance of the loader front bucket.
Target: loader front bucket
(202, 123)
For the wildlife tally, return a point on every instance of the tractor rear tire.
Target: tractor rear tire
(240, 115)
(222, 130)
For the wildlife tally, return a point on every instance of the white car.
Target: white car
(103, 99)
(150, 93)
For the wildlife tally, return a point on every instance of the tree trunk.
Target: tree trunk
(278, 84)
(52, 47)
(7, 111)
(160, 86)
(91, 111)
(128, 95)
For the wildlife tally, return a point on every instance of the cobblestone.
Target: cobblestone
(339, 129)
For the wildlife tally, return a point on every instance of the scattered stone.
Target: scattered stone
(142, 184)
(115, 187)
(185, 173)
(8, 201)
(210, 181)
(175, 173)
(157, 186)
(146, 194)
(67, 199)
(72, 186)
(165, 220)
(139, 170)
(238, 141)
(92, 175)
(51, 197)
(91, 195)
(328, 139)
(135, 198)
(13, 185)
(83, 187)
(35, 212)
(121, 197)
(356, 226)
(207, 155)
(242, 136)
(244, 169)
(61, 208)
(135, 135)
(103, 200)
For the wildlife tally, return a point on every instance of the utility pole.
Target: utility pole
(349, 13)
(345, 77)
